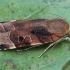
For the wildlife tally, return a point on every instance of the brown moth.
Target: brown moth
(22, 33)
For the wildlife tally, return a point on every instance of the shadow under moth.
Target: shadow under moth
(22, 33)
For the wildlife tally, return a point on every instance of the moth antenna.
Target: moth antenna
(46, 49)
(54, 43)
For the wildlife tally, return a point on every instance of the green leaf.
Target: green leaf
(56, 57)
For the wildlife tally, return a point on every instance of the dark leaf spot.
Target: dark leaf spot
(10, 64)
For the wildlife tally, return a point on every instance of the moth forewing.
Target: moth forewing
(33, 32)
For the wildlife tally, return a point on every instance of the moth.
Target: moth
(22, 33)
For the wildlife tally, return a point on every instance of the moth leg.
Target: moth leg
(67, 38)
(52, 44)
(30, 48)
(26, 49)
(19, 50)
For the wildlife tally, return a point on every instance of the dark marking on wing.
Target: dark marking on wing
(42, 33)
(40, 30)
(3, 46)
(20, 39)
(25, 40)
